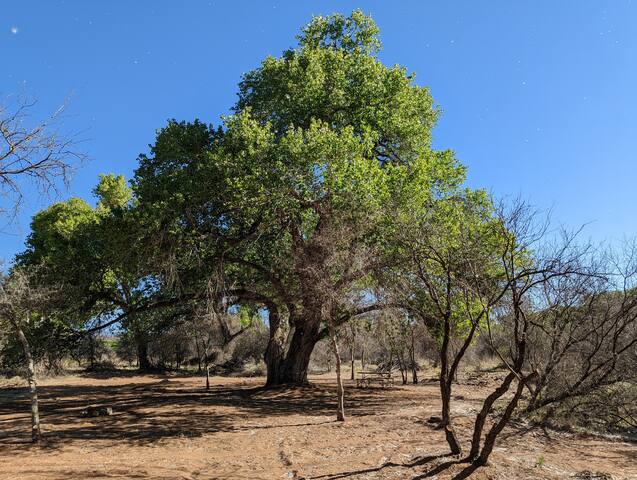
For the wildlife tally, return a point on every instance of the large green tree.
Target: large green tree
(294, 200)
(88, 252)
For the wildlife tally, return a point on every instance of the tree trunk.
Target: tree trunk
(207, 377)
(445, 392)
(489, 441)
(33, 389)
(142, 355)
(352, 376)
(403, 368)
(340, 412)
(291, 368)
(352, 350)
(484, 412)
(412, 357)
(273, 358)
(450, 435)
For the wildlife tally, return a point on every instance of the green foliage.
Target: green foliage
(334, 78)
(309, 186)
(451, 254)
(58, 232)
(326, 146)
(112, 192)
(66, 242)
(358, 32)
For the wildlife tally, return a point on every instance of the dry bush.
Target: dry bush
(322, 359)
(583, 346)
(249, 348)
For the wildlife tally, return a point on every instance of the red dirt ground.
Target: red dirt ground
(169, 427)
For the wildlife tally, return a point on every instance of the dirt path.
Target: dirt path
(169, 427)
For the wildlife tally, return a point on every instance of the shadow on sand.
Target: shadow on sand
(165, 408)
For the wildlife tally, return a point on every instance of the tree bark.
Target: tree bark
(445, 393)
(450, 434)
(352, 351)
(340, 411)
(273, 358)
(291, 368)
(484, 412)
(142, 355)
(402, 365)
(352, 376)
(489, 441)
(36, 433)
(412, 356)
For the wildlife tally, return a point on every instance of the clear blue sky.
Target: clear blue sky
(539, 97)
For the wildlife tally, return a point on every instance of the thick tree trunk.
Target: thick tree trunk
(340, 411)
(291, 368)
(274, 356)
(33, 389)
(142, 356)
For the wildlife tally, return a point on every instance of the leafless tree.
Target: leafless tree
(35, 152)
(350, 339)
(460, 289)
(584, 337)
(395, 330)
(21, 303)
(340, 391)
(529, 264)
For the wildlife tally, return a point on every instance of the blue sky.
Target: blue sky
(538, 96)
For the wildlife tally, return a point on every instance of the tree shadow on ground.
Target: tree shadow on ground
(420, 461)
(462, 475)
(167, 408)
(107, 373)
(414, 463)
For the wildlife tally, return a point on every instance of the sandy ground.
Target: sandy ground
(170, 427)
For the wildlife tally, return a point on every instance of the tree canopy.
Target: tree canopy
(296, 203)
